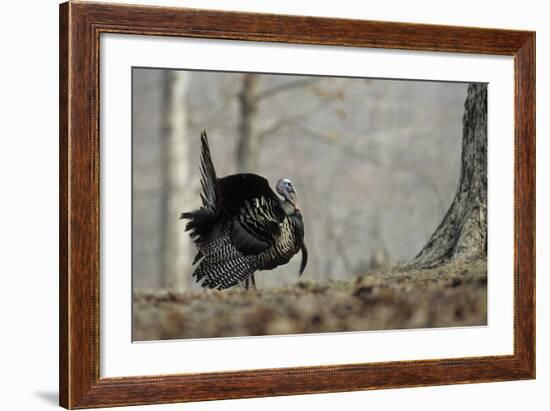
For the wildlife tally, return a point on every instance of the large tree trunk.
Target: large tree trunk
(248, 149)
(175, 249)
(462, 235)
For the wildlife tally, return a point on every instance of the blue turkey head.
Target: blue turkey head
(286, 189)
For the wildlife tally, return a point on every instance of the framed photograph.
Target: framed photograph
(258, 205)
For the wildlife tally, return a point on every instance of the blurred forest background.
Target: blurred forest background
(375, 163)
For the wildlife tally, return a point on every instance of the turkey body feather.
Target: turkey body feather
(243, 226)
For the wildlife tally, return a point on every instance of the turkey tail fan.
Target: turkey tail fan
(304, 260)
(208, 174)
(200, 223)
(222, 274)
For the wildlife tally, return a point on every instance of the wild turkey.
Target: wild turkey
(243, 226)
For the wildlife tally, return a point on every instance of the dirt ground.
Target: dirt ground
(398, 298)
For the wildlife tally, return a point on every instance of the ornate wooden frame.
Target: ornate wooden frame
(80, 27)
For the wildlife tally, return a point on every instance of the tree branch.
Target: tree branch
(289, 121)
(326, 139)
(270, 92)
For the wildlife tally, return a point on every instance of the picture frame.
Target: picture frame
(81, 25)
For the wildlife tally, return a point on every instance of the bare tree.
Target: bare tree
(248, 143)
(175, 246)
(250, 135)
(462, 234)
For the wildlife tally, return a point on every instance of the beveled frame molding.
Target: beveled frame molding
(80, 27)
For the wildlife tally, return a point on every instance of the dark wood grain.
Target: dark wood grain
(63, 205)
(80, 27)
(525, 203)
